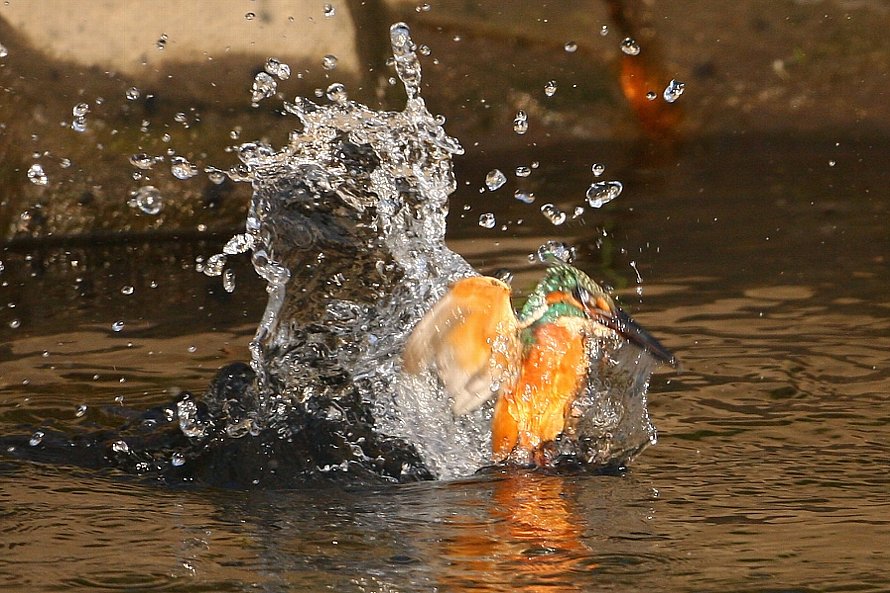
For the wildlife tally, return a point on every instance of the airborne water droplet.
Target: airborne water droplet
(336, 93)
(228, 280)
(36, 175)
(181, 168)
(250, 16)
(550, 88)
(598, 169)
(80, 110)
(133, 93)
(3, 51)
(495, 179)
(148, 199)
(80, 411)
(602, 192)
(553, 214)
(329, 62)
(571, 47)
(127, 290)
(275, 67)
(526, 197)
(36, 438)
(487, 220)
(264, 86)
(673, 90)
(162, 42)
(120, 447)
(214, 265)
(117, 326)
(329, 11)
(520, 123)
(177, 459)
(142, 160)
(523, 171)
(630, 47)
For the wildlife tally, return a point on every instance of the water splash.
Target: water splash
(347, 226)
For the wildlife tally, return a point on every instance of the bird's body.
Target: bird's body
(536, 362)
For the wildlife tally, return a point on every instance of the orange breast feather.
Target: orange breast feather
(534, 411)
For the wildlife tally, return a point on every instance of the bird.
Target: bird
(535, 362)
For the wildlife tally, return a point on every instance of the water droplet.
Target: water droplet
(180, 118)
(148, 199)
(486, 220)
(36, 175)
(64, 163)
(603, 192)
(127, 290)
(526, 197)
(3, 51)
(36, 438)
(523, 171)
(578, 211)
(80, 110)
(181, 168)
(228, 280)
(143, 161)
(80, 411)
(189, 423)
(264, 86)
(651, 95)
(239, 244)
(425, 7)
(329, 11)
(120, 447)
(162, 42)
(336, 93)
(216, 176)
(214, 265)
(329, 62)
(177, 459)
(275, 67)
(15, 323)
(604, 30)
(558, 249)
(133, 93)
(192, 349)
(598, 169)
(832, 163)
(117, 326)
(553, 214)
(630, 47)
(571, 47)
(550, 88)
(495, 179)
(520, 123)
(250, 16)
(673, 90)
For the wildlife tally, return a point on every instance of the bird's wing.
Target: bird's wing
(471, 336)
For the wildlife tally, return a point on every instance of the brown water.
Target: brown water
(763, 266)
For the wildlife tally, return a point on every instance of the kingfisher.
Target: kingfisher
(535, 362)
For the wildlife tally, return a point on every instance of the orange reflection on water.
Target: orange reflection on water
(529, 538)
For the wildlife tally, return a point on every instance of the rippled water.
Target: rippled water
(769, 474)
(763, 267)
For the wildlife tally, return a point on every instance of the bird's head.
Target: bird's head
(567, 291)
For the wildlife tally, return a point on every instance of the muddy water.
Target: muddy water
(763, 265)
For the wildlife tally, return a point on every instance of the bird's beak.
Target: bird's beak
(628, 329)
